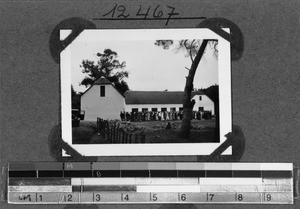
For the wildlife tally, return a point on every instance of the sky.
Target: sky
(151, 68)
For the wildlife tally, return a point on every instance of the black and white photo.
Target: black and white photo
(146, 92)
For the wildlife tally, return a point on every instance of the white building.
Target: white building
(103, 100)
(164, 101)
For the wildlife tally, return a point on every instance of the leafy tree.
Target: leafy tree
(75, 98)
(213, 93)
(194, 49)
(106, 66)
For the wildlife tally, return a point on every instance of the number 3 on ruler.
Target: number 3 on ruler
(97, 197)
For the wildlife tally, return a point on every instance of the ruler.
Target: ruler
(149, 182)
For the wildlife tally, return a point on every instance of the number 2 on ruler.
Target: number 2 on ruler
(68, 198)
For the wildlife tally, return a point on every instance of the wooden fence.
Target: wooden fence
(116, 135)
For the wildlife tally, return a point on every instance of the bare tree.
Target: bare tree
(194, 49)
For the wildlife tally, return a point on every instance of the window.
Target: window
(134, 109)
(154, 109)
(163, 109)
(144, 109)
(200, 108)
(200, 98)
(173, 109)
(102, 91)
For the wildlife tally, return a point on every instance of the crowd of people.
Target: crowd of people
(162, 116)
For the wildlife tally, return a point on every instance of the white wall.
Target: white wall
(205, 102)
(108, 107)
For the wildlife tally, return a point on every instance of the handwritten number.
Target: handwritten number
(159, 13)
(122, 10)
(141, 14)
(171, 14)
(112, 12)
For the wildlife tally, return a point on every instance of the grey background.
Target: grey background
(265, 81)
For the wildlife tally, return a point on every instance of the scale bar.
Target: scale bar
(150, 182)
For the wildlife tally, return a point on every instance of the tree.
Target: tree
(213, 93)
(106, 66)
(194, 49)
(75, 97)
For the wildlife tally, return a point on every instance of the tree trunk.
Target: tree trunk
(217, 125)
(188, 105)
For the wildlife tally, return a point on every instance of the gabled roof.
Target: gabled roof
(102, 81)
(156, 97)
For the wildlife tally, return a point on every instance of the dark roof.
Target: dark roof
(156, 97)
(102, 81)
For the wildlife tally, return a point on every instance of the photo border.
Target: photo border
(159, 149)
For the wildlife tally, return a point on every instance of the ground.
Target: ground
(203, 131)
(85, 133)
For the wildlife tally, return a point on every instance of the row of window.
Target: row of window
(163, 109)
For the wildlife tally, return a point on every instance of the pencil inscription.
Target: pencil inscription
(158, 12)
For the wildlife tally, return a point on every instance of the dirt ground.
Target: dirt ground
(86, 133)
(202, 131)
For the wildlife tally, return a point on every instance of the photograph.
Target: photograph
(149, 104)
(157, 87)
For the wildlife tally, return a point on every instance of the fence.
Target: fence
(116, 135)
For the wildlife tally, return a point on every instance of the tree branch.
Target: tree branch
(189, 49)
(191, 56)
(194, 66)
